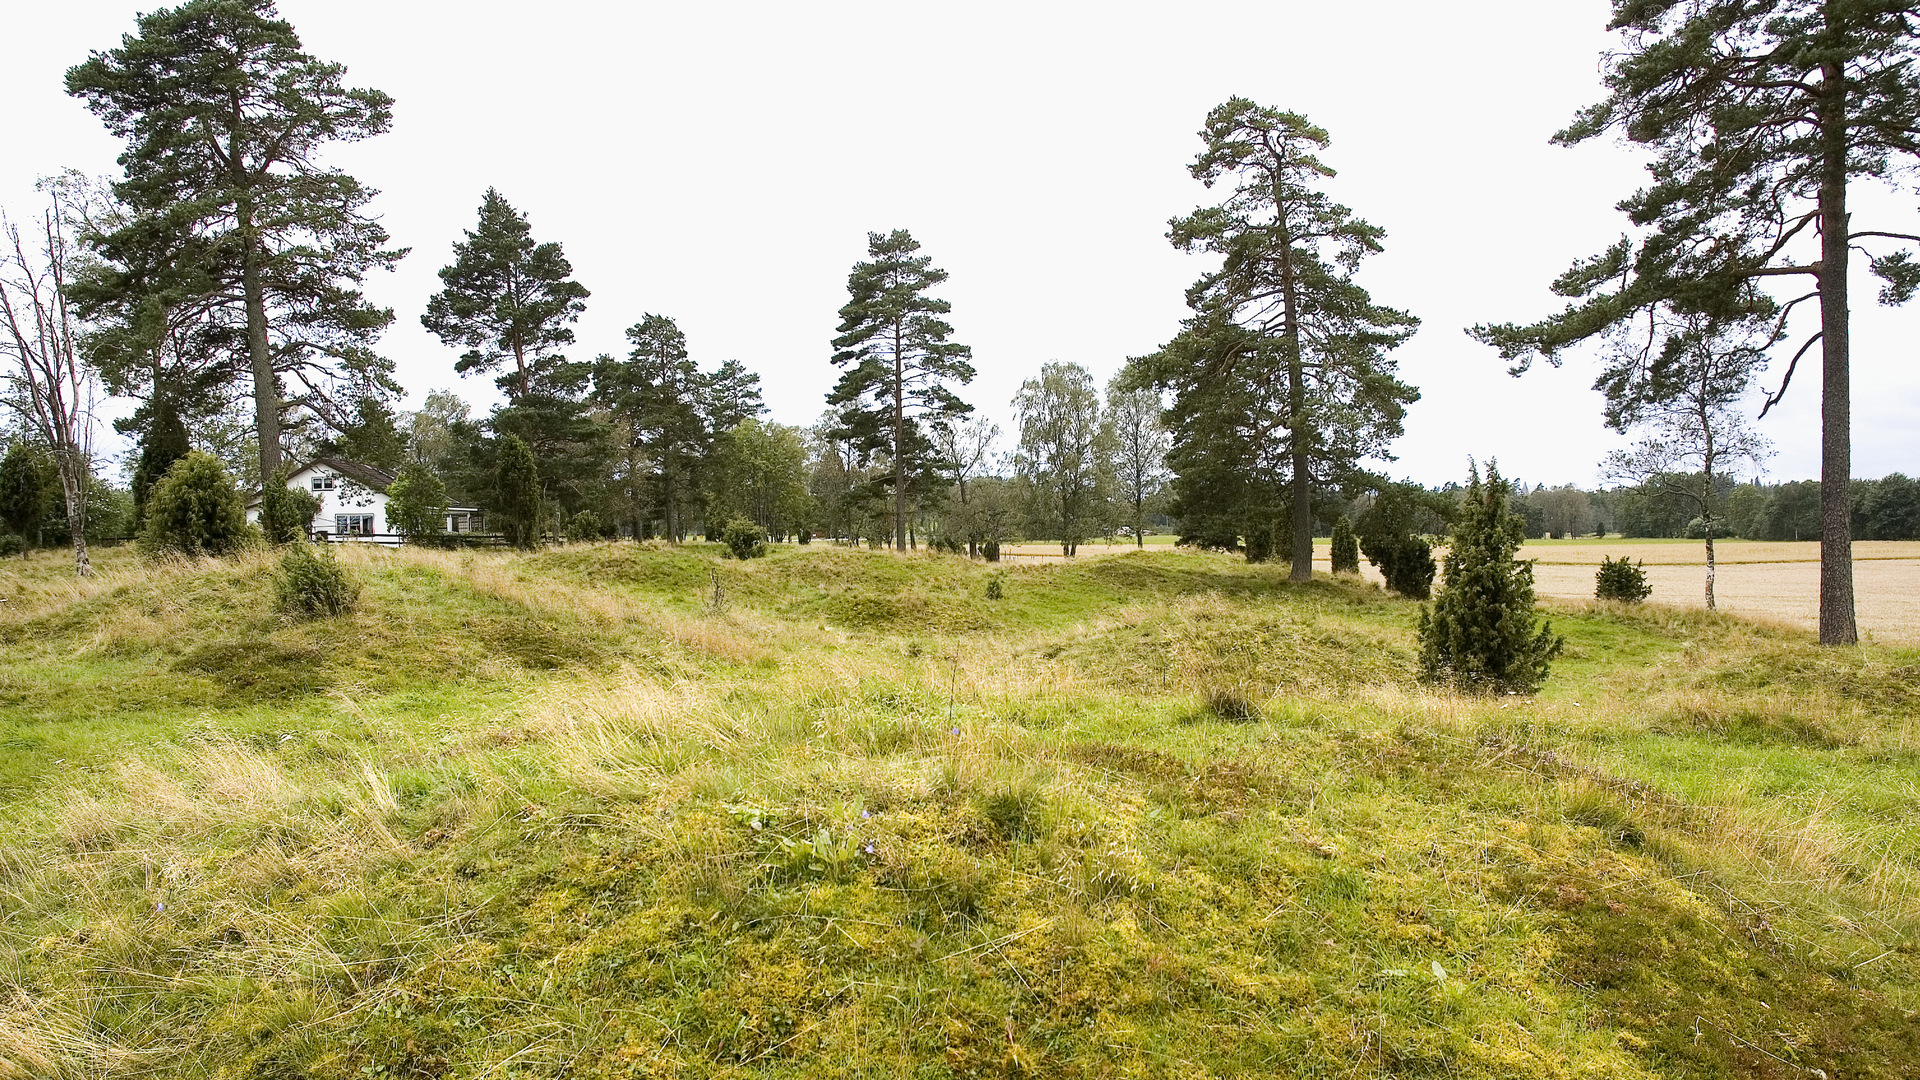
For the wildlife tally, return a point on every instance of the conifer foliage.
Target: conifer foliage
(1479, 634)
(1281, 378)
(516, 488)
(1344, 550)
(1761, 115)
(196, 510)
(898, 362)
(225, 118)
(505, 297)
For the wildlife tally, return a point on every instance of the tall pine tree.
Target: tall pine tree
(224, 118)
(1760, 114)
(1281, 378)
(893, 344)
(505, 297)
(656, 395)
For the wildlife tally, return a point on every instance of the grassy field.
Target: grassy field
(632, 811)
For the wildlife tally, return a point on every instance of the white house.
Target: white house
(353, 502)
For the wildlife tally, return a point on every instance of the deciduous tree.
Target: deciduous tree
(50, 385)
(1688, 407)
(1064, 449)
(1139, 448)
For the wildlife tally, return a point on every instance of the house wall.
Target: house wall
(346, 497)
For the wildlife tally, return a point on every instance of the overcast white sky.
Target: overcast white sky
(723, 163)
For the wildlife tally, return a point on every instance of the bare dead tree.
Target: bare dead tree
(52, 389)
(965, 447)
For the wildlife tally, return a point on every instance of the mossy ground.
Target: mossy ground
(1160, 814)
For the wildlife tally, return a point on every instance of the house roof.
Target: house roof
(367, 476)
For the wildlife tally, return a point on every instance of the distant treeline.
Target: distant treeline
(1883, 509)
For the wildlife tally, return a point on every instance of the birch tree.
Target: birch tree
(50, 386)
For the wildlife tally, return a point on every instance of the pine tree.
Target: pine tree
(224, 117)
(1479, 633)
(1281, 378)
(893, 344)
(505, 297)
(656, 396)
(516, 488)
(1761, 114)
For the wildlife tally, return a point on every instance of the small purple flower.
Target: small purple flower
(866, 813)
(956, 731)
(869, 847)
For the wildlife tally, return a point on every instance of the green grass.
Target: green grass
(1162, 814)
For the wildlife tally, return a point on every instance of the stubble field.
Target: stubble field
(1775, 582)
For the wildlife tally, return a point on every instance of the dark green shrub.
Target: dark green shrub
(1345, 549)
(1393, 535)
(1259, 545)
(1479, 634)
(990, 551)
(1622, 581)
(11, 545)
(286, 513)
(516, 493)
(744, 539)
(312, 584)
(196, 510)
(27, 485)
(417, 503)
(1407, 564)
(994, 590)
(583, 526)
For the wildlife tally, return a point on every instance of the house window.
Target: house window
(323, 482)
(353, 524)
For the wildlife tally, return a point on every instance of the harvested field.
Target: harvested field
(1775, 581)
(1778, 582)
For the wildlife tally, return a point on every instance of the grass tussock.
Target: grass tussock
(1152, 814)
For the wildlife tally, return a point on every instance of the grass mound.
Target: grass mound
(547, 815)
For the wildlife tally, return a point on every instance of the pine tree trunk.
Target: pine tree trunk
(899, 443)
(1837, 625)
(266, 383)
(1301, 483)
